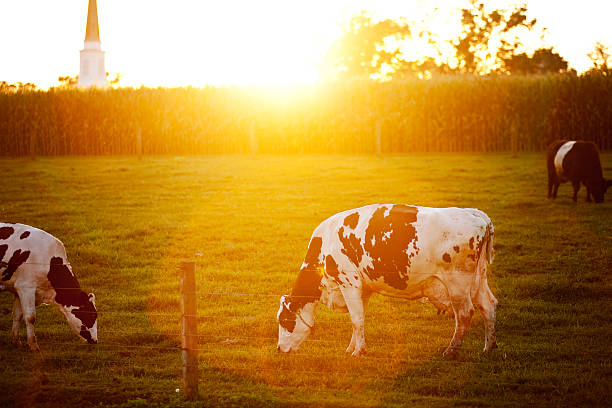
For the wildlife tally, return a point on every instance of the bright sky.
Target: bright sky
(199, 42)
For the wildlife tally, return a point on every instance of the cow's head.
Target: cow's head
(294, 324)
(598, 189)
(83, 318)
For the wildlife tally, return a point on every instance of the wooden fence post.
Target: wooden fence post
(139, 142)
(252, 138)
(378, 133)
(189, 314)
(32, 146)
(513, 138)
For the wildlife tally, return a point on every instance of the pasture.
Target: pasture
(246, 221)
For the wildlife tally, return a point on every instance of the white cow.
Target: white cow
(396, 250)
(35, 268)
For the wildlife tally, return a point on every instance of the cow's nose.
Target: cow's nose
(92, 341)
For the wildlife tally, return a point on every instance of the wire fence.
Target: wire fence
(242, 340)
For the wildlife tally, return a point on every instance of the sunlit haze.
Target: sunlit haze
(192, 42)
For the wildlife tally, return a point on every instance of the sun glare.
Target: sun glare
(244, 43)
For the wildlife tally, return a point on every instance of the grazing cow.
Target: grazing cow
(576, 161)
(396, 250)
(35, 268)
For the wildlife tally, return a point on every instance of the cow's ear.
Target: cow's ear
(91, 297)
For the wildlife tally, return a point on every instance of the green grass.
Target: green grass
(246, 221)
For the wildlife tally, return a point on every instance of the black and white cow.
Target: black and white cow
(396, 250)
(35, 268)
(576, 161)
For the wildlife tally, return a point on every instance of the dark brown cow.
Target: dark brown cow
(576, 161)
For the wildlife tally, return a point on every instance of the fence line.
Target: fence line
(335, 356)
(227, 369)
(209, 345)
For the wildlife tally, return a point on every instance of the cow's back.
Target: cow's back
(26, 252)
(551, 154)
(390, 248)
(582, 162)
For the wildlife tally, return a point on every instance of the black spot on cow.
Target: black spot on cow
(3, 249)
(24, 235)
(307, 285)
(446, 257)
(479, 243)
(6, 232)
(314, 250)
(352, 220)
(15, 262)
(456, 248)
(86, 312)
(351, 247)
(386, 241)
(69, 293)
(287, 319)
(86, 335)
(331, 268)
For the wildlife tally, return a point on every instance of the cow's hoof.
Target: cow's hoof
(449, 354)
(490, 348)
(34, 348)
(359, 353)
(17, 343)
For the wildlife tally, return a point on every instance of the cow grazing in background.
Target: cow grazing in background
(34, 267)
(396, 250)
(576, 161)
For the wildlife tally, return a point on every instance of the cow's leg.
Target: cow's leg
(576, 185)
(17, 316)
(463, 308)
(555, 189)
(351, 346)
(486, 303)
(355, 304)
(588, 198)
(551, 183)
(28, 307)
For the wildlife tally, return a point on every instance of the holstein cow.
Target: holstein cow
(35, 268)
(396, 250)
(576, 161)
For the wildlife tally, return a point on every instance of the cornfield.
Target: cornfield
(452, 114)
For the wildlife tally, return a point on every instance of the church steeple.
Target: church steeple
(92, 70)
(92, 32)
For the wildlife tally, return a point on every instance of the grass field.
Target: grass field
(246, 221)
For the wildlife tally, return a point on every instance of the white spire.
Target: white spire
(92, 70)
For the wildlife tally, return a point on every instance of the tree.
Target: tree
(68, 81)
(114, 80)
(599, 58)
(489, 38)
(543, 61)
(367, 47)
(5, 87)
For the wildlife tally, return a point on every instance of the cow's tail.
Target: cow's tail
(486, 250)
(485, 257)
